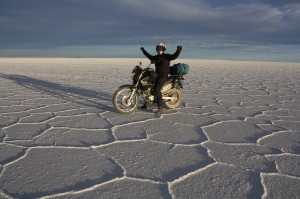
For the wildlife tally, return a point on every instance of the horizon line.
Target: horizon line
(91, 57)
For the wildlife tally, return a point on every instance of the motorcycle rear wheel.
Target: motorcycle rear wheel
(175, 102)
(121, 100)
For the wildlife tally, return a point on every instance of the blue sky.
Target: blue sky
(208, 29)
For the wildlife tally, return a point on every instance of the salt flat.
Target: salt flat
(235, 135)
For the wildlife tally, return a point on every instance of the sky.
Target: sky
(266, 30)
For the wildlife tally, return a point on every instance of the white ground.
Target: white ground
(236, 134)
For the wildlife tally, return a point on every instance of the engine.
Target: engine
(148, 79)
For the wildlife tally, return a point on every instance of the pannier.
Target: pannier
(179, 69)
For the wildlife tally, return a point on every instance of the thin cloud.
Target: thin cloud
(44, 23)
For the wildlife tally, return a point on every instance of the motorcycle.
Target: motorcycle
(127, 98)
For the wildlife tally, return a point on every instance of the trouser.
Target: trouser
(157, 89)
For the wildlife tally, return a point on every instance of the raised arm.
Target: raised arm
(176, 54)
(147, 54)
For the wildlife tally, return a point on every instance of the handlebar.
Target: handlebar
(147, 66)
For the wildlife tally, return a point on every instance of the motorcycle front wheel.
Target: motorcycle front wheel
(175, 100)
(125, 101)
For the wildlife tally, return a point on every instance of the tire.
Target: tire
(171, 104)
(120, 102)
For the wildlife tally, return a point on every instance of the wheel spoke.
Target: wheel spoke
(122, 101)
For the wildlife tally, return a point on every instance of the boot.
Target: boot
(146, 105)
(160, 110)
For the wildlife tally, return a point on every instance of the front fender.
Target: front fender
(123, 86)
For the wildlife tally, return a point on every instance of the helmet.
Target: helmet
(160, 48)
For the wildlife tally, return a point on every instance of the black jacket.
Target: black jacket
(162, 62)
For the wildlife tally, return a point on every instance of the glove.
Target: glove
(179, 47)
(142, 48)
